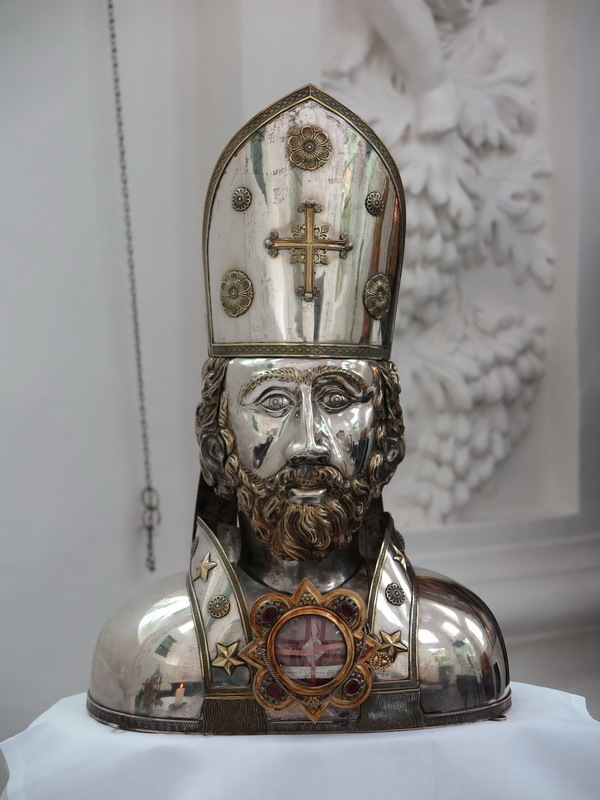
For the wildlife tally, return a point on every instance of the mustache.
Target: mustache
(307, 476)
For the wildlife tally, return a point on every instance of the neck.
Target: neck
(259, 562)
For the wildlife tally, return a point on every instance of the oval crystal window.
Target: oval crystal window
(310, 650)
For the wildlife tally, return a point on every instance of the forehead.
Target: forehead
(243, 371)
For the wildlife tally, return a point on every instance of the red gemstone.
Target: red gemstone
(352, 687)
(273, 690)
(269, 614)
(346, 609)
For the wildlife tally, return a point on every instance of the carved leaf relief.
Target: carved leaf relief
(439, 85)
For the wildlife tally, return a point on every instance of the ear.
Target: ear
(393, 455)
(212, 458)
(395, 452)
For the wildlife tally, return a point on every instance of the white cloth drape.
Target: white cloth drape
(548, 747)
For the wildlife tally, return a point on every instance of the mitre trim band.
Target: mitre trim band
(303, 350)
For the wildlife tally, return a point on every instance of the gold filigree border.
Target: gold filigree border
(289, 349)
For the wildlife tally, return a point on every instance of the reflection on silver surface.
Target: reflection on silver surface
(462, 658)
(146, 660)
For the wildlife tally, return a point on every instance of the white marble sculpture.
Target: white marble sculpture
(440, 87)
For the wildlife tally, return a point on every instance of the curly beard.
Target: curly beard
(300, 532)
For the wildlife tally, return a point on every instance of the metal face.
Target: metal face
(293, 412)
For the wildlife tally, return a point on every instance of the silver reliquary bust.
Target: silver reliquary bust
(300, 611)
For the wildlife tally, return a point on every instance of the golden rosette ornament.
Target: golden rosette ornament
(377, 295)
(309, 147)
(236, 293)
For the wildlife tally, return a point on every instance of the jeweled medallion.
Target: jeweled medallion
(310, 650)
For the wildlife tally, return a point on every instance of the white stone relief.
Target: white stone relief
(438, 84)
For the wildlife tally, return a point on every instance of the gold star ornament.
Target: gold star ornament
(392, 644)
(204, 567)
(227, 657)
(399, 555)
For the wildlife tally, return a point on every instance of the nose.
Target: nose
(307, 446)
(309, 456)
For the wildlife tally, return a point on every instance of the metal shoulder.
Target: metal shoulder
(146, 661)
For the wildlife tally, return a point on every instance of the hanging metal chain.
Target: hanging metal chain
(150, 499)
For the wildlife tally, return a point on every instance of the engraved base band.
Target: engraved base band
(226, 719)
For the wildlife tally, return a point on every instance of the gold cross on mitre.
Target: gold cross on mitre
(309, 245)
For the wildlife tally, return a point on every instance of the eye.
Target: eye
(275, 403)
(335, 400)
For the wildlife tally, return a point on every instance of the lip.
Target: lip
(307, 497)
